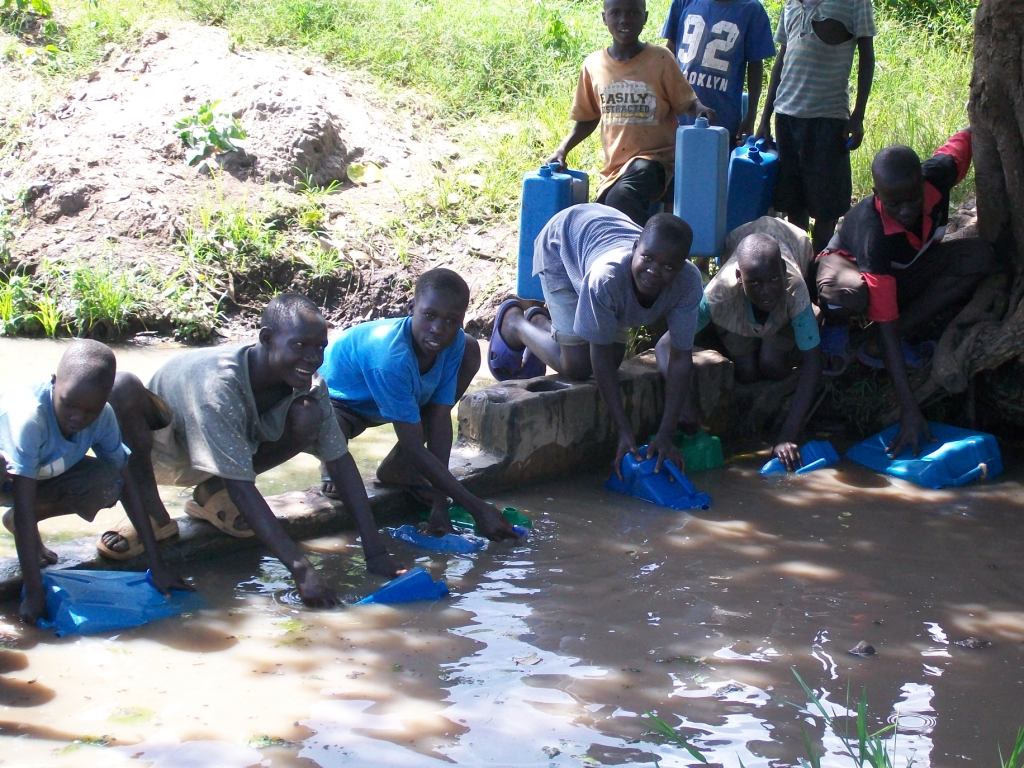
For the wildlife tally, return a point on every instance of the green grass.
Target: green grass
(500, 76)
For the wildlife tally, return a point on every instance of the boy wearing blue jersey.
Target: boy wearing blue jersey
(715, 42)
(410, 372)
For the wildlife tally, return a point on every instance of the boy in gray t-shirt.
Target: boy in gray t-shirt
(217, 418)
(602, 274)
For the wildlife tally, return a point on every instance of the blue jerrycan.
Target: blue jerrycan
(816, 454)
(545, 192)
(702, 160)
(955, 457)
(753, 168)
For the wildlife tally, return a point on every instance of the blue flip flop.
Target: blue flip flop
(504, 362)
(835, 346)
(915, 356)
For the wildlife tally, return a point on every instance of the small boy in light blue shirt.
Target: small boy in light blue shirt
(45, 433)
(410, 372)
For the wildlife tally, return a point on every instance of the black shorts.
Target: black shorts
(814, 166)
(351, 422)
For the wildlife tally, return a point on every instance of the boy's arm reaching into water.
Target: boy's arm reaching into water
(786, 449)
(604, 358)
(914, 431)
(678, 376)
(26, 539)
(433, 465)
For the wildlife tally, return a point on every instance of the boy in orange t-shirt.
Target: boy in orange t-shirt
(635, 91)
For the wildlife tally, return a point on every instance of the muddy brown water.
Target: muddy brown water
(549, 652)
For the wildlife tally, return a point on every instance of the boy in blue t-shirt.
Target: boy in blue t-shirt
(712, 41)
(45, 433)
(410, 371)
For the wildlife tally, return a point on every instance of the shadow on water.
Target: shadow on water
(550, 651)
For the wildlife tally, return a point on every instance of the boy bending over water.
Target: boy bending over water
(234, 412)
(45, 432)
(410, 371)
(601, 275)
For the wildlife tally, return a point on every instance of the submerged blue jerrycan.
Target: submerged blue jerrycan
(667, 488)
(753, 168)
(955, 457)
(545, 192)
(413, 585)
(701, 179)
(815, 454)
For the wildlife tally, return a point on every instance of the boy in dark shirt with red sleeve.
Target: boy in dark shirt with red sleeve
(889, 262)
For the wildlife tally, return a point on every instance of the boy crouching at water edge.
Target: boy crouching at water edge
(601, 275)
(230, 413)
(410, 372)
(45, 432)
(760, 307)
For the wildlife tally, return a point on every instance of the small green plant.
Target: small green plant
(16, 16)
(15, 300)
(49, 315)
(207, 133)
(323, 262)
(865, 747)
(671, 736)
(104, 301)
(1016, 758)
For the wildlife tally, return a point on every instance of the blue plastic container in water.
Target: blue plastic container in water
(701, 179)
(411, 586)
(91, 602)
(753, 169)
(955, 457)
(816, 454)
(545, 193)
(668, 488)
(450, 542)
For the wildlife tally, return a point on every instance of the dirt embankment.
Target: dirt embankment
(99, 177)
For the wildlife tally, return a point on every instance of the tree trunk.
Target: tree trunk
(990, 330)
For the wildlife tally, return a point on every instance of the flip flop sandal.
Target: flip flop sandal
(533, 365)
(504, 362)
(127, 531)
(220, 512)
(835, 347)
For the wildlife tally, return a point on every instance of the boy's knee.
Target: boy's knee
(302, 425)
(842, 291)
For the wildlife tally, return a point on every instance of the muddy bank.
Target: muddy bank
(99, 178)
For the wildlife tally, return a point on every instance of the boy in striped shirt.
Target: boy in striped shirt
(809, 93)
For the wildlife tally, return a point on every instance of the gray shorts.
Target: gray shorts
(86, 488)
(561, 304)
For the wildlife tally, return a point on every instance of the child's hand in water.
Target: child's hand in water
(381, 563)
(663, 447)
(627, 444)
(33, 606)
(788, 454)
(164, 580)
(490, 523)
(312, 591)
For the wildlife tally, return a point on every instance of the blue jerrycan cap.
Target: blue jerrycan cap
(667, 488)
(451, 542)
(413, 585)
(816, 454)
